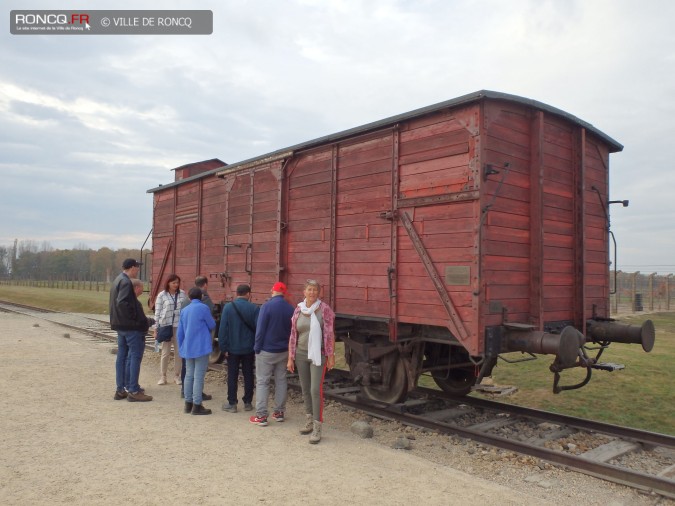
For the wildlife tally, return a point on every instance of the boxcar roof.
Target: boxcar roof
(614, 146)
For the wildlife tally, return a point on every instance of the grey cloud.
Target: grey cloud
(275, 74)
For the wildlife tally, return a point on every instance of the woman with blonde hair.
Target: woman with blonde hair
(167, 313)
(312, 347)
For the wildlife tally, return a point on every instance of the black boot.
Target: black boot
(206, 397)
(199, 409)
(188, 407)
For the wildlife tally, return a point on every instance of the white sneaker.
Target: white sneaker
(177, 380)
(162, 381)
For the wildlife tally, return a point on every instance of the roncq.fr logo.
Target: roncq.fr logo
(51, 19)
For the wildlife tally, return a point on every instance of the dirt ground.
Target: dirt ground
(65, 440)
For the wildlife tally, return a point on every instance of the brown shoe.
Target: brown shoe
(138, 397)
(198, 409)
(120, 394)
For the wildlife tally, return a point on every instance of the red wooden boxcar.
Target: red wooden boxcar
(442, 237)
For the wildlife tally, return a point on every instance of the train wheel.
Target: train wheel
(216, 356)
(453, 381)
(397, 388)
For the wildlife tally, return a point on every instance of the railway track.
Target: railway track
(98, 327)
(635, 458)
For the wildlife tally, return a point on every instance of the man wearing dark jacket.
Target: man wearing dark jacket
(271, 349)
(236, 337)
(124, 318)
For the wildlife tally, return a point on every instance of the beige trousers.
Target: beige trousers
(166, 352)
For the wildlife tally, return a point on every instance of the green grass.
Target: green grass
(642, 395)
(61, 299)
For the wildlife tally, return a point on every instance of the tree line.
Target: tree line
(26, 260)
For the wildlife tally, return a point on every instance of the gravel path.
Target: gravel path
(64, 440)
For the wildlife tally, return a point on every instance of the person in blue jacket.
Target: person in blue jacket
(271, 348)
(194, 344)
(236, 337)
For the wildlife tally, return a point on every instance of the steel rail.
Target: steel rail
(94, 333)
(642, 436)
(609, 472)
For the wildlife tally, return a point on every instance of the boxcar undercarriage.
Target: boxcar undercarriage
(389, 370)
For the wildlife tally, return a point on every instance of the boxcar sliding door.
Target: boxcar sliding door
(252, 228)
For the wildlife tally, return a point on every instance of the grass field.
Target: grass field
(61, 299)
(642, 395)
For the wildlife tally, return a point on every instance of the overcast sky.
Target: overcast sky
(88, 124)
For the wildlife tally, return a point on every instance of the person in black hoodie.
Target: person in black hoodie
(126, 320)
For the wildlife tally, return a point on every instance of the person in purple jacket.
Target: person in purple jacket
(194, 344)
(271, 349)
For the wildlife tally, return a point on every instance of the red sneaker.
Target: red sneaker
(258, 420)
(278, 416)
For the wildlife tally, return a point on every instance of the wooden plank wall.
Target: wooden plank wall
(265, 230)
(238, 228)
(596, 244)
(252, 229)
(186, 233)
(308, 213)
(212, 237)
(506, 253)
(559, 189)
(162, 237)
(363, 236)
(540, 238)
(438, 154)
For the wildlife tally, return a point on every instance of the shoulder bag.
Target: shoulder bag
(165, 333)
(241, 317)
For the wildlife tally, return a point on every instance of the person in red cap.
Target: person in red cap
(271, 348)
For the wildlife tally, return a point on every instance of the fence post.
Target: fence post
(617, 291)
(633, 289)
(651, 291)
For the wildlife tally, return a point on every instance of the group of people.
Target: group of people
(182, 316)
(263, 342)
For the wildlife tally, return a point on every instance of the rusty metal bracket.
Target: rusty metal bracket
(248, 259)
(157, 286)
(488, 171)
(223, 276)
(390, 279)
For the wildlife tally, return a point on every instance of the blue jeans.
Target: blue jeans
(130, 348)
(195, 371)
(233, 362)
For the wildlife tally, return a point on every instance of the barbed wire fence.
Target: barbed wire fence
(634, 292)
